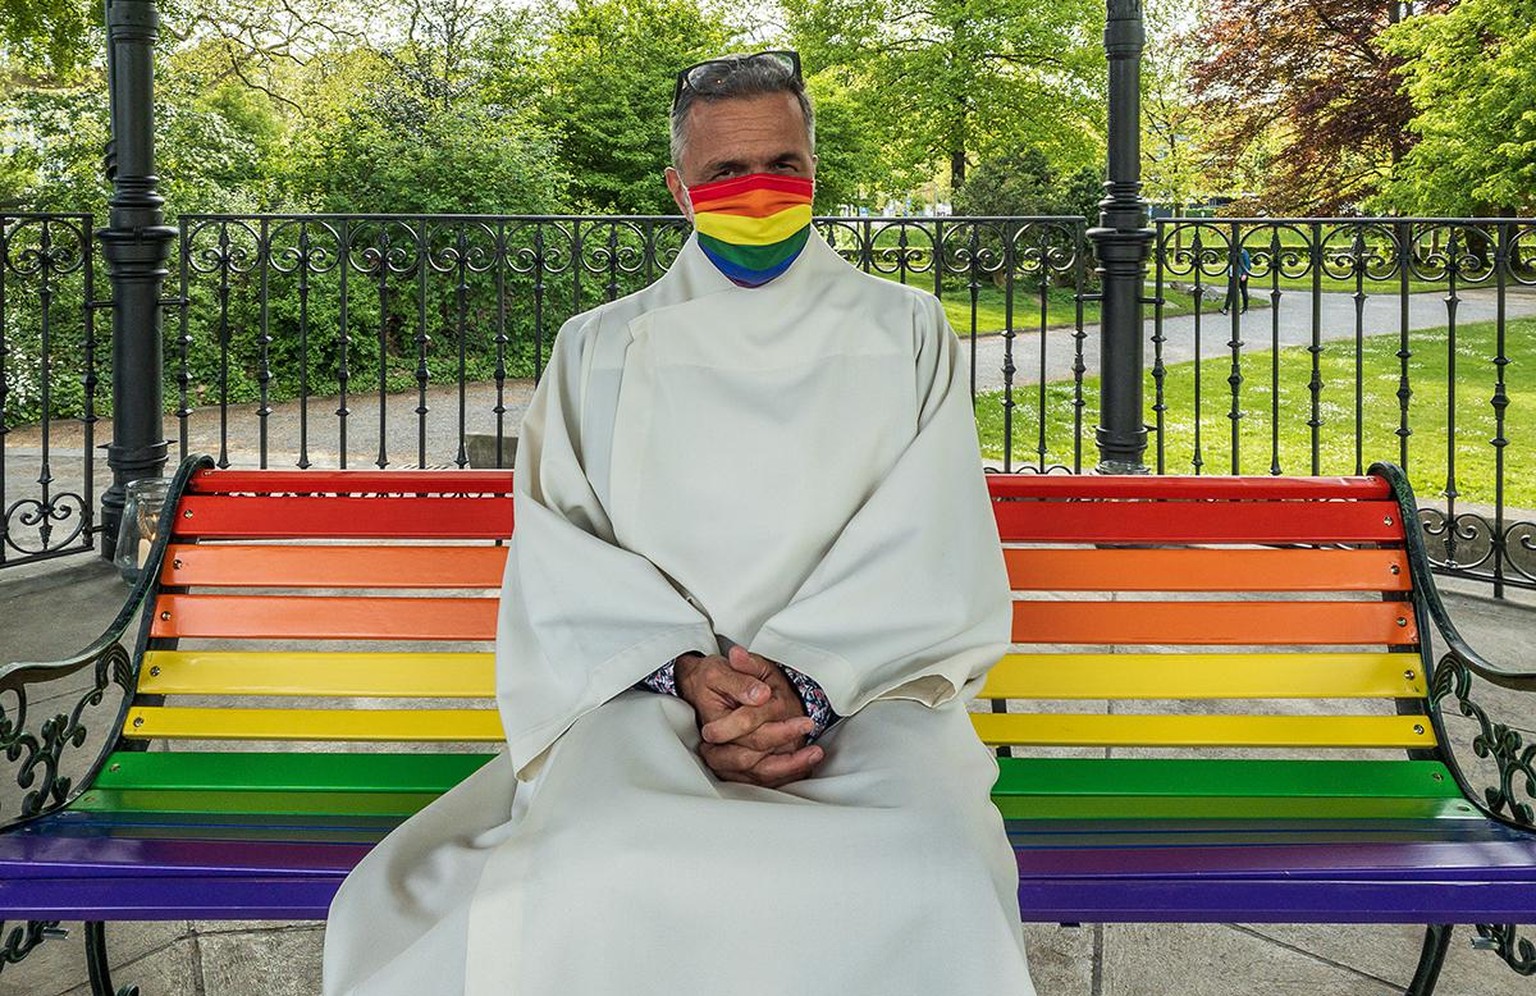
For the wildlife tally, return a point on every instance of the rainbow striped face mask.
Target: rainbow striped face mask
(752, 227)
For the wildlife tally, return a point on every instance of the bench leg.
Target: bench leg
(96, 962)
(1437, 941)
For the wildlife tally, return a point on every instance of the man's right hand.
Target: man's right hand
(773, 752)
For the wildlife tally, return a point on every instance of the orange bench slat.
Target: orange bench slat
(1293, 623)
(323, 617)
(272, 565)
(1054, 569)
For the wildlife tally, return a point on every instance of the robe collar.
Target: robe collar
(693, 275)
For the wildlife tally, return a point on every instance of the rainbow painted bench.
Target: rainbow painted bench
(1223, 707)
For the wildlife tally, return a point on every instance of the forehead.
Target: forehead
(762, 124)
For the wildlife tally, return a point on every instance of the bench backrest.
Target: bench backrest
(1195, 598)
(1152, 613)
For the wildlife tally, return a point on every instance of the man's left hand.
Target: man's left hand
(762, 744)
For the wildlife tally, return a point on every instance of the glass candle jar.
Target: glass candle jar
(141, 523)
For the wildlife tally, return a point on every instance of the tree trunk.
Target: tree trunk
(956, 168)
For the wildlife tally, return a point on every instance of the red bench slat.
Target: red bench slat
(403, 517)
(1186, 487)
(1198, 522)
(351, 482)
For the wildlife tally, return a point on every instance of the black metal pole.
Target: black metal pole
(135, 244)
(1123, 242)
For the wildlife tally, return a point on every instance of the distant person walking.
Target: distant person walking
(1238, 268)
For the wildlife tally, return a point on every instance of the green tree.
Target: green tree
(57, 137)
(1025, 183)
(607, 70)
(954, 81)
(389, 141)
(1310, 78)
(1471, 74)
(1175, 157)
(51, 36)
(854, 165)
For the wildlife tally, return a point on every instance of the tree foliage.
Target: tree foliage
(1312, 77)
(1025, 183)
(947, 82)
(1471, 75)
(1176, 160)
(607, 75)
(50, 36)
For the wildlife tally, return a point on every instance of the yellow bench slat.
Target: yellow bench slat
(147, 722)
(1205, 676)
(1098, 730)
(317, 673)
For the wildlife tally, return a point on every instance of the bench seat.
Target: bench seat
(1082, 858)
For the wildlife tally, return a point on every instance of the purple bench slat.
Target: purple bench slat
(1508, 861)
(75, 857)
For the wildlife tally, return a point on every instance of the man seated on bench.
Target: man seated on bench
(749, 501)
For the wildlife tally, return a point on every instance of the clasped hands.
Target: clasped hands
(751, 718)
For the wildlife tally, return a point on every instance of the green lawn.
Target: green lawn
(1060, 305)
(1428, 415)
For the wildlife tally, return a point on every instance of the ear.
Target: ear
(679, 193)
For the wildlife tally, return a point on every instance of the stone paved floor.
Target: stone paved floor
(49, 609)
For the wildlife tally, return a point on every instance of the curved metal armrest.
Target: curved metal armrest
(37, 754)
(1424, 582)
(1511, 800)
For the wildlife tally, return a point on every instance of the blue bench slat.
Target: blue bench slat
(170, 898)
(1278, 899)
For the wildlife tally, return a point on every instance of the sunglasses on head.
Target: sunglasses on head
(710, 75)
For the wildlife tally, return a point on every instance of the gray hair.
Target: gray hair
(749, 78)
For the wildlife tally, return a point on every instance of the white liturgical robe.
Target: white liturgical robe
(792, 468)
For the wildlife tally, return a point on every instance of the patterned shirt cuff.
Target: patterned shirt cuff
(663, 680)
(817, 705)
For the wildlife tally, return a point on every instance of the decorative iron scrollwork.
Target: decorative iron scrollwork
(1502, 938)
(22, 939)
(1506, 747)
(41, 755)
(39, 749)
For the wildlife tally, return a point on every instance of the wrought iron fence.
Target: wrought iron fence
(377, 312)
(327, 340)
(1401, 339)
(48, 381)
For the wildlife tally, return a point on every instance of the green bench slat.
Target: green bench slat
(194, 771)
(1236, 807)
(1213, 777)
(253, 803)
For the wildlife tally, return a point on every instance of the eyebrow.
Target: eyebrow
(736, 164)
(720, 164)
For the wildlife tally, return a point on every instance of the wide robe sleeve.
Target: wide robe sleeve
(581, 619)
(912, 600)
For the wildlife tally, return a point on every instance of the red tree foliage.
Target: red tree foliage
(1308, 79)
